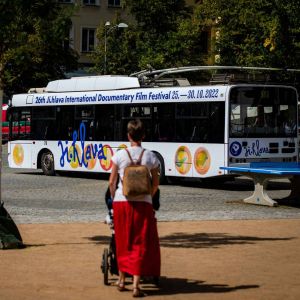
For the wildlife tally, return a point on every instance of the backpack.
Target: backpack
(136, 179)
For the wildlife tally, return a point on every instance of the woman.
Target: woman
(137, 243)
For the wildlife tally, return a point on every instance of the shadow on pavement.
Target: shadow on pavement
(212, 240)
(172, 286)
(199, 240)
(182, 240)
(70, 174)
(217, 183)
(238, 184)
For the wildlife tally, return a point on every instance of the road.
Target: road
(31, 197)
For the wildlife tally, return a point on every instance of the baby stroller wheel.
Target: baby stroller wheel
(104, 266)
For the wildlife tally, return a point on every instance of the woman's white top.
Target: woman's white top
(122, 160)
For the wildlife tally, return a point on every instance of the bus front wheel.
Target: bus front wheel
(47, 163)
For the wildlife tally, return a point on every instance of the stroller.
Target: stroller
(109, 264)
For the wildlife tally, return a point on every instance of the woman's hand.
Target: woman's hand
(155, 180)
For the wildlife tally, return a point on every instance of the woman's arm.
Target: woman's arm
(155, 180)
(113, 180)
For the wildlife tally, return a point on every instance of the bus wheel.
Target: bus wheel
(162, 176)
(47, 163)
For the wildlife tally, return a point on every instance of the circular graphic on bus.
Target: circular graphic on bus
(235, 149)
(183, 160)
(202, 160)
(73, 156)
(18, 155)
(106, 163)
(89, 158)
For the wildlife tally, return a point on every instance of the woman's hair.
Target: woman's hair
(136, 130)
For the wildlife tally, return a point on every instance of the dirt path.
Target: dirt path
(200, 260)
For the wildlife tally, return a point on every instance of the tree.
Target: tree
(165, 33)
(255, 33)
(34, 36)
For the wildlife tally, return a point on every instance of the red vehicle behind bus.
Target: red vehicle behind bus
(18, 128)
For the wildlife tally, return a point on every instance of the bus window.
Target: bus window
(135, 111)
(43, 123)
(65, 122)
(262, 112)
(104, 123)
(200, 122)
(163, 122)
(288, 123)
(216, 119)
(85, 114)
(142, 112)
(5, 123)
(20, 123)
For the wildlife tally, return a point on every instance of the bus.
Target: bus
(5, 124)
(18, 129)
(194, 128)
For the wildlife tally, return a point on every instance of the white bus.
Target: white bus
(78, 124)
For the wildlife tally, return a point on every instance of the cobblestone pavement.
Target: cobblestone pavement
(31, 197)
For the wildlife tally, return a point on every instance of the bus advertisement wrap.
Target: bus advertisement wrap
(169, 95)
(78, 124)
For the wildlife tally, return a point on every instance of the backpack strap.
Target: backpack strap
(138, 162)
(129, 156)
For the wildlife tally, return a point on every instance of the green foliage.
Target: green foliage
(255, 33)
(164, 34)
(34, 36)
(169, 34)
(158, 16)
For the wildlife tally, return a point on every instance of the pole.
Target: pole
(105, 58)
(107, 31)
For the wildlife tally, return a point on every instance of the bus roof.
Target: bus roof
(92, 83)
(166, 85)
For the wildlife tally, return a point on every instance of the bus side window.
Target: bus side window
(104, 123)
(163, 123)
(85, 114)
(130, 112)
(44, 123)
(65, 122)
(20, 123)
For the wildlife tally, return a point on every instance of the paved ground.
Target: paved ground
(239, 259)
(31, 197)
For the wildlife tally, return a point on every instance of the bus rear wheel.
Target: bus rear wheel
(47, 163)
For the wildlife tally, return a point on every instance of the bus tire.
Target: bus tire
(47, 163)
(162, 176)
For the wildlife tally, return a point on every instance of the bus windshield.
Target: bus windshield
(263, 112)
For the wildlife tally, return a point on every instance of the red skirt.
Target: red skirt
(137, 243)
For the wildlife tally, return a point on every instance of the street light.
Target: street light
(107, 31)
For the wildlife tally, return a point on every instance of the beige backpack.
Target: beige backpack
(136, 179)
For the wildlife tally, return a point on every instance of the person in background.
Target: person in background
(137, 242)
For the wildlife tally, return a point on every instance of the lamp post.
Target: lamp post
(108, 29)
